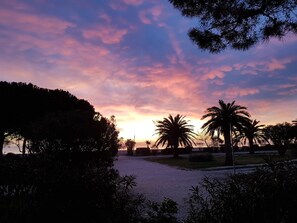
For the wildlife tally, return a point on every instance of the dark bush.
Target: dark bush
(143, 151)
(162, 212)
(210, 149)
(268, 147)
(293, 150)
(267, 195)
(201, 157)
(45, 189)
(154, 152)
(169, 151)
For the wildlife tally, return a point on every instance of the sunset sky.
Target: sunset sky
(133, 59)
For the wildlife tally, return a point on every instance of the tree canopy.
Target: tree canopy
(238, 24)
(175, 131)
(223, 120)
(253, 132)
(51, 120)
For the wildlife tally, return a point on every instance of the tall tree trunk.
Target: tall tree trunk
(24, 147)
(175, 151)
(252, 148)
(2, 137)
(228, 148)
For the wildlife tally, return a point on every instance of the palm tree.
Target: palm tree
(223, 120)
(253, 133)
(175, 131)
(147, 142)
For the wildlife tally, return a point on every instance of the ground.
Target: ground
(157, 181)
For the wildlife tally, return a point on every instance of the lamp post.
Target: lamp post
(232, 149)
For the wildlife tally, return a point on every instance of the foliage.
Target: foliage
(266, 195)
(175, 131)
(130, 145)
(238, 24)
(39, 111)
(143, 151)
(281, 135)
(253, 132)
(170, 151)
(201, 157)
(54, 189)
(210, 141)
(164, 211)
(74, 188)
(224, 119)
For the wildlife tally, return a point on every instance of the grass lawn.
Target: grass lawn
(243, 159)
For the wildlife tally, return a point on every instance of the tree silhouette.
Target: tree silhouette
(51, 120)
(281, 135)
(224, 119)
(238, 24)
(253, 132)
(175, 131)
(130, 145)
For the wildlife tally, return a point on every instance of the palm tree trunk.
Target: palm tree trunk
(251, 143)
(24, 146)
(2, 137)
(175, 152)
(228, 148)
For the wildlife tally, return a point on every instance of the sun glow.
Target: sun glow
(143, 128)
(140, 129)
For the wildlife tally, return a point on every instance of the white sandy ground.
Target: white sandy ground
(157, 181)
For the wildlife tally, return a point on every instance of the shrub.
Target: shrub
(201, 157)
(47, 189)
(293, 150)
(154, 152)
(267, 195)
(143, 151)
(164, 211)
(169, 151)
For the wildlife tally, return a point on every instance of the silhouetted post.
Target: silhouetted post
(231, 142)
(2, 137)
(24, 147)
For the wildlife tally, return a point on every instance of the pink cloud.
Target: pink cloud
(254, 67)
(150, 15)
(216, 73)
(60, 45)
(271, 111)
(106, 34)
(33, 23)
(274, 64)
(284, 86)
(178, 57)
(288, 39)
(288, 92)
(117, 5)
(105, 17)
(133, 2)
(234, 92)
(15, 4)
(143, 17)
